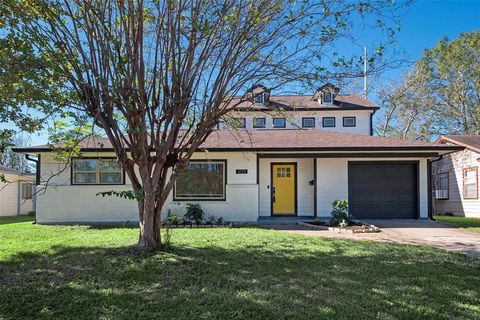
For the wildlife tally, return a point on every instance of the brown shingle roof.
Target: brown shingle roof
(285, 140)
(471, 141)
(343, 101)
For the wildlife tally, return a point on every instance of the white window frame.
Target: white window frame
(474, 169)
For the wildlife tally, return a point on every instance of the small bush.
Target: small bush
(211, 219)
(194, 213)
(173, 219)
(339, 212)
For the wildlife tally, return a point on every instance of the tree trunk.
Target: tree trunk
(149, 238)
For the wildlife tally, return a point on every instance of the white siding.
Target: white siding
(63, 202)
(294, 119)
(332, 182)
(9, 196)
(245, 200)
(11, 203)
(454, 165)
(241, 202)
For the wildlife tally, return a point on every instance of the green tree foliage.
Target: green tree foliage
(439, 95)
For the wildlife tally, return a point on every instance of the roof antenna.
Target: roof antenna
(365, 94)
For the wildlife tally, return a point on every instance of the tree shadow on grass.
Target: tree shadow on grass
(16, 219)
(241, 283)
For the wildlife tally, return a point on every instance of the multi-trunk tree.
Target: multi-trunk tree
(156, 76)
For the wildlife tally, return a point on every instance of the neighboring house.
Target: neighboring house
(17, 193)
(456, 177)
(266, 169)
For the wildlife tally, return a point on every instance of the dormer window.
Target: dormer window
(326, 94)
(259, 94)
(327, 97)
(260, 98)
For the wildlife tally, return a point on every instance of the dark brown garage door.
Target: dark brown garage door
(383, 190)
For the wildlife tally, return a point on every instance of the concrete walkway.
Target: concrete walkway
(416, 232)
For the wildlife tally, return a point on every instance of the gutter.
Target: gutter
(273, 149)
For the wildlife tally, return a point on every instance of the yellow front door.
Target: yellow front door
(283, 189)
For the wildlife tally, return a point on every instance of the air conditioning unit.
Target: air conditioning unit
(441, 194)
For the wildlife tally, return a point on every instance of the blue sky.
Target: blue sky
(423, 24)
(426, 22)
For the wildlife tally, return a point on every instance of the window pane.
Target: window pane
(85, 177)
(109, 165)
(279, 122)
(27, 190)
(111, 177)
(201, 180)
(349, 122)
(85, 164)
(259, 98)
(327, 97)
(308, 122)
(470, 183)
(259, 122)
(239, 123)
(470, 191)
(443, 182)
(328, 122)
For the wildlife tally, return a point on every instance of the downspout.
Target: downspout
(37, 167)
(37, 180)
(430, 189)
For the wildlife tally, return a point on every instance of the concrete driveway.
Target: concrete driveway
(416, 232)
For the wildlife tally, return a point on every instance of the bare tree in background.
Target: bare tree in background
(13, 160)
(156, 76)
(439, 95)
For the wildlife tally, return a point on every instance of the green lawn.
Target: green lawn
(240, 273)
(470, 224)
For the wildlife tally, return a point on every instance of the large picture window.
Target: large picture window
(97, 171)
(470, 183)
(203, 180)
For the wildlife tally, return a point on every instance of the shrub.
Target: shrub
(174, 219)
(339, 212)
(194, 213)
(211, 219)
